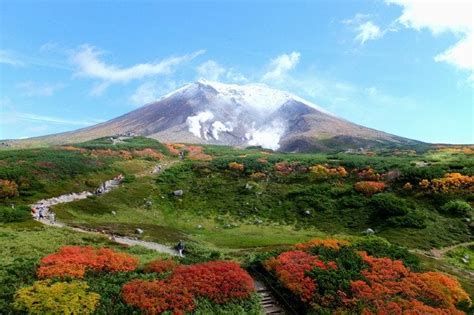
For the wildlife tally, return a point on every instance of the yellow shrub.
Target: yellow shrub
(46, 297)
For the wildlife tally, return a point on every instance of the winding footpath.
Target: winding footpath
(48, 217)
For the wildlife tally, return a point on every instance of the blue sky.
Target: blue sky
(401, 66)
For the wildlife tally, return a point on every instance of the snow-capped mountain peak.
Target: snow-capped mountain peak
(255, 95)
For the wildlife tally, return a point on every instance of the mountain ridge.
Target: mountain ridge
(208, 112)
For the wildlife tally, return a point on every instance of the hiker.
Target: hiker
(180, 248)
(40, 216)
(52, 217)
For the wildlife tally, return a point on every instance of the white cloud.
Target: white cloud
(280, 66)
(365, 29)
(89, 64)
(368, 31)
(145, 93)
(213, 71)
(31, 88)
(436, 15)
(454, 16)
(51, 119)
(151, 91)
(9, 58)
(460, 55)
(210, 70)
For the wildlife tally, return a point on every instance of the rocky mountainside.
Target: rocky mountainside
(238, 115)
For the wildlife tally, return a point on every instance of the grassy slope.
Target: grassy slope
(217, 201)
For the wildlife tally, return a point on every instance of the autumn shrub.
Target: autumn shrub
(291, 269)
(236, 166)
(283, 168)
(148, 153)
(450, 182)
(369, 188)
(329, 243)
(46, 297)
(74, 261)
(8, 188)
(219, 281)
(161, 266)
(319, 171)
(388, 284)
(368, 174)
(156, 297)
(258, 176)
(457, 207)
(343, 280)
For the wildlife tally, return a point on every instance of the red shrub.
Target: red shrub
(391, 288)
(369, 188)
(161, 265)
(155, 297)
(283, 168)
(72, 261)
(291, 267)
(368, 174)
(219, 281)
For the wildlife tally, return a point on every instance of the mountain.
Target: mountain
(238, 115)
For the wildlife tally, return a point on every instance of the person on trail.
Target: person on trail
(40, 216)
(52, 217)
(180, 248)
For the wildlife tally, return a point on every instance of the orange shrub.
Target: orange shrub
(369, 188)
(236, 166)
(368, 174)
(324, 171)
(329, 243)
(283, 168)
(73, 261)
(390, 286)
(291, 268)
(8, 188)
(448, 183)
(150, 153)
(258, 176)
(197, 153)
(173, 148)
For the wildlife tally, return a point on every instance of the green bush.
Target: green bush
(388, 205)
(457, 208)
(379, 247)
(413, 219)
(17, 214)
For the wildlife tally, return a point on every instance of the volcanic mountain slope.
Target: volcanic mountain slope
(238, 115)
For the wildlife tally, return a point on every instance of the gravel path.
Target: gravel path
(44, 206)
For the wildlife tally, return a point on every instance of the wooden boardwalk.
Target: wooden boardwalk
(269, 304)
